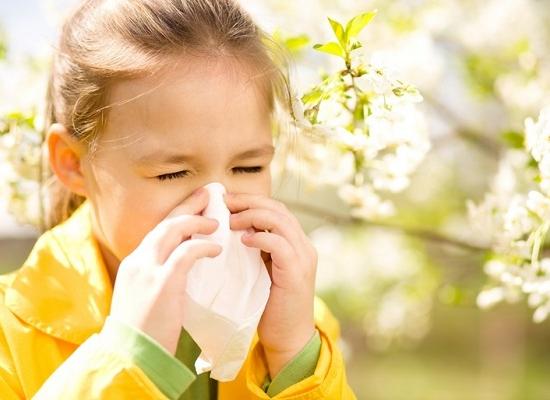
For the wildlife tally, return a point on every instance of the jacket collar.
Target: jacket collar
(63, 287)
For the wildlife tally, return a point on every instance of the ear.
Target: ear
(65, 154)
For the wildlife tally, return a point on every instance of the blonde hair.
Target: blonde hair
(103, 41)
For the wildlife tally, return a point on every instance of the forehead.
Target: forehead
(196, 102)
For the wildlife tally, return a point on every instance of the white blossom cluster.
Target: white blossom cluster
(19, 172)
(365, 157)
(21, 124)
(515, 217)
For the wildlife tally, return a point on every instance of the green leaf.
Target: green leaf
(359, 113)
(532, 163)
(331, 48)
(339, 32)
(483, 71)
(513, 139)
(357, 24)
(312, 97)
(354, 45)
(3, 47)
(296, 43)
(292, 43)
(520, 47)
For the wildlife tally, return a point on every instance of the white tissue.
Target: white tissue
(225, 296)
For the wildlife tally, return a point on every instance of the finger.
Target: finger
(263, 219)
(193, 204)
(282, 253)
(170, 232)
(241, 201)
(184, 256)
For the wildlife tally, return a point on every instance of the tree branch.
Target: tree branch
(420, 233)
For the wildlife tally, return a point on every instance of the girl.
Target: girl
(150, 100)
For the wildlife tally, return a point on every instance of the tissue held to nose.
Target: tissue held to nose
(226, 294)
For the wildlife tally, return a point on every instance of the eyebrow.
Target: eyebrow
(162, 157)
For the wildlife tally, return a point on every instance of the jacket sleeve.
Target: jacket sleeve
(328, 381)
(297, 369)
(300, 367)
(116, 363)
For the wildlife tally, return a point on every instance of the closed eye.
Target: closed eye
(181, 174)
(249, 170)
(172, 175)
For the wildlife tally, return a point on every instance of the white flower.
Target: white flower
(303, 123)
(504, 182)
(319, 163)
(494, 268)
(535, 300)
(539, 204)
(375, 80)
(489, 297)
(390, 173)
(519, 93)
(537, 135)
(517, 221)
(537, 142)
(365, 202)
(356, 141)
(541, 313)
(333, 114)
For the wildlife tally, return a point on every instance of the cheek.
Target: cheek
(262, 185)
(126, 224)
(259, 184)
(128, 212)
(128, 206)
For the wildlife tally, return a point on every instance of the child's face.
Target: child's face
(204, 110)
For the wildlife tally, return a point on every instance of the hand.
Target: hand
(149, 288)
(287, 323)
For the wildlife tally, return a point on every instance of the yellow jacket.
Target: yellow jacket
(58, 302)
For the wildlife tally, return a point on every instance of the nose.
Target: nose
(229, 187)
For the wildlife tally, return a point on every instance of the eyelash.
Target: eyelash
(181, 174)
